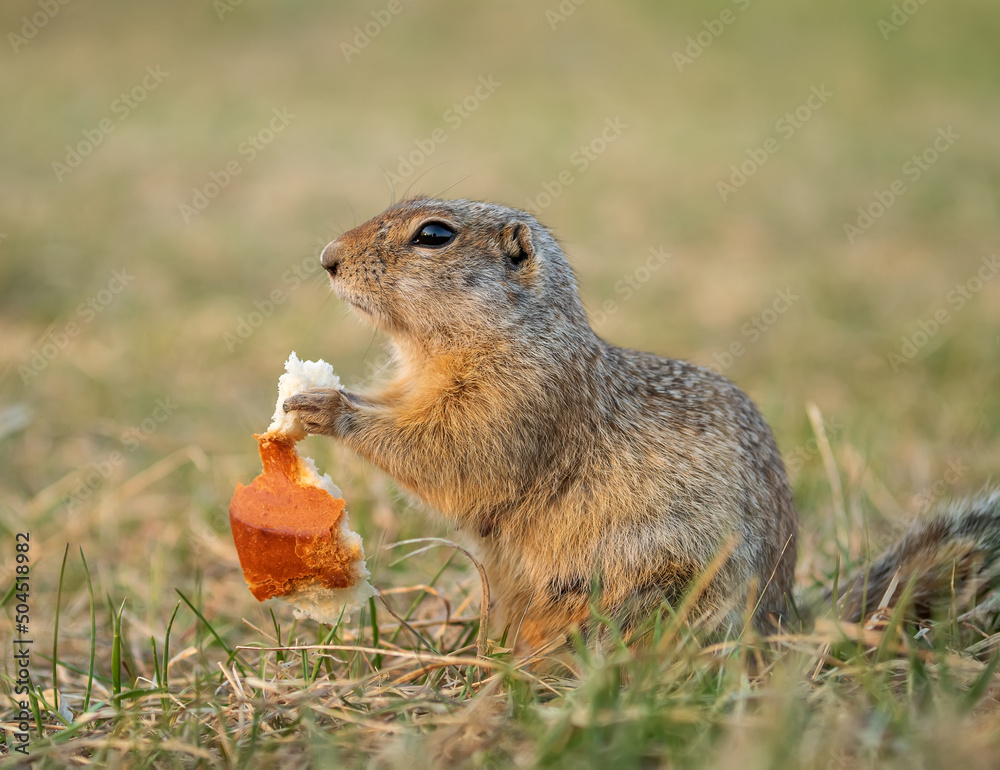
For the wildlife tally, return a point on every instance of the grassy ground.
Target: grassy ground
(142, 342)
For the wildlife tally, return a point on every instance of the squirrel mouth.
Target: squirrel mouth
(367, 307)
(363, 305)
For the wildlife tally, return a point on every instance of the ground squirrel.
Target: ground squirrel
(579, 468)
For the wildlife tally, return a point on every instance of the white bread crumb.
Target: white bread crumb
(299, 376)
(324, 605)
(330, 605)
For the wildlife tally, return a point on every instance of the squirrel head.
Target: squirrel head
(454, 274)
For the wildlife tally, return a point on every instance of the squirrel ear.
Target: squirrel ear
(515, 240)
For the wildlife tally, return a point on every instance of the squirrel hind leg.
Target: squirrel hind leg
(657, 600)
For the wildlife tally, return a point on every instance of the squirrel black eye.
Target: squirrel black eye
(434, 234)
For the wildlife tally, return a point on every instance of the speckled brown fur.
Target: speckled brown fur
(566, 458)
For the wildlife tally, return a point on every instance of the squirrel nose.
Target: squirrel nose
(330, 258)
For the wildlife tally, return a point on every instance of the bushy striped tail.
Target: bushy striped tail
(952, 560)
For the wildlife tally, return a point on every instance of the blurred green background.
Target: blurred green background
(182, 322)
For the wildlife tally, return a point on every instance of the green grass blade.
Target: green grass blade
(374, 622)
(279, 656)
(232, 655)
(422, 595)
(55, 633)
(975, 693)
(166, 644)
(156, 662)
(116, 656)
(93, 633)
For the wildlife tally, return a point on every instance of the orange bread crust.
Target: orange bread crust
(286, 530)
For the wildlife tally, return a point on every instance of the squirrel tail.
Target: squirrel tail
(951, 559)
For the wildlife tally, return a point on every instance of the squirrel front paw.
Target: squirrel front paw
(321, 411)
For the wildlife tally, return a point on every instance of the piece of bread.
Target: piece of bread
(290, 525)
